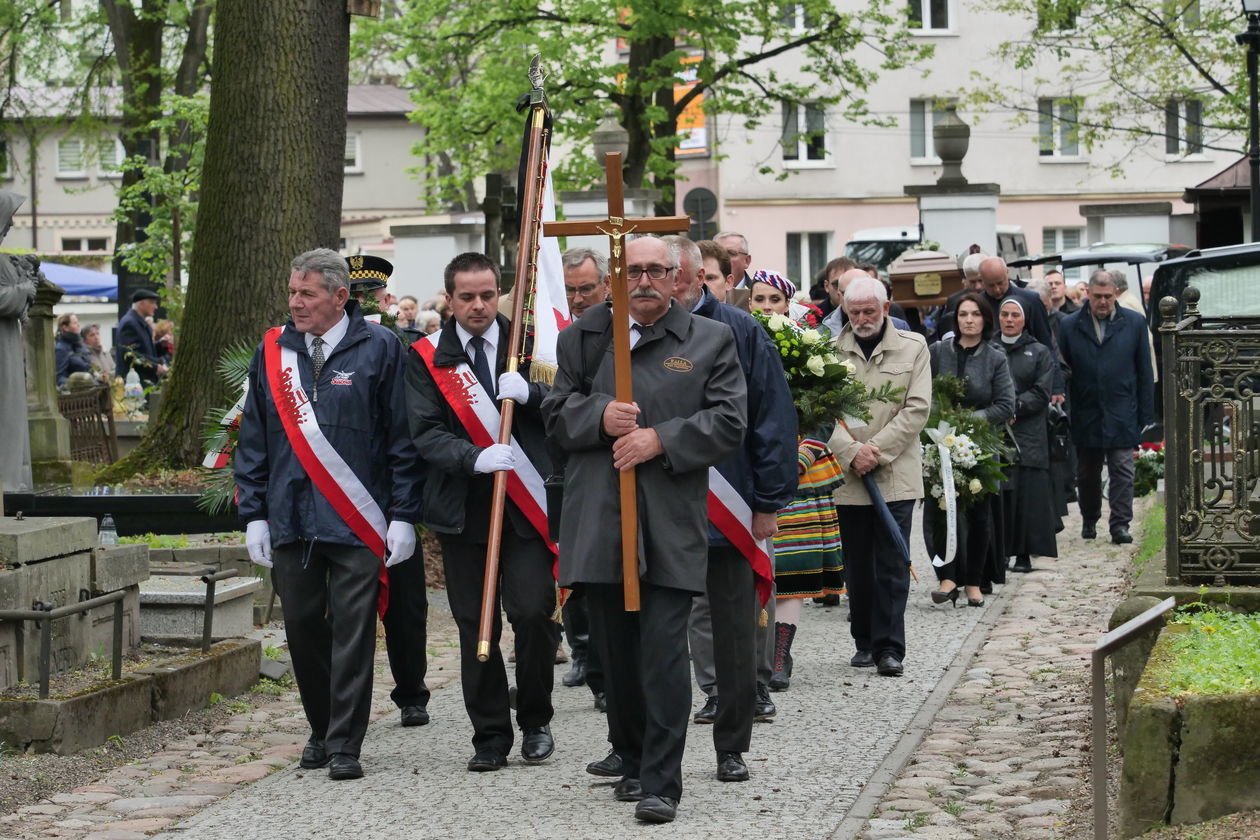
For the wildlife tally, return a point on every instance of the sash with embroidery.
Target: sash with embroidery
(732, 516)
(327, 470)
(479, 416)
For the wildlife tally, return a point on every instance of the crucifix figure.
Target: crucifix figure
(616, 227)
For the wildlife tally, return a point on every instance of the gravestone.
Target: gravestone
(49, 431)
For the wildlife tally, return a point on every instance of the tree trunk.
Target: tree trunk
(271, 189)
(642, 54)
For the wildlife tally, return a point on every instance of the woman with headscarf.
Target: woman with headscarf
(1028, 496)
(808, 562)
(969, 356)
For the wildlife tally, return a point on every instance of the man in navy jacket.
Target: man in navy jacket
(134, 340)
(348, 399)
(1112, 392)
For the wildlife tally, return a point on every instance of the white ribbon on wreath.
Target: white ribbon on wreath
(948, 492)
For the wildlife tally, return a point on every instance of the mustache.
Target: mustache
(647, 293)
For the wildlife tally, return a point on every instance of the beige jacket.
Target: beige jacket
(902, 359)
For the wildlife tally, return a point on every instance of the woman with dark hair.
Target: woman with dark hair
(1028, 497)
(71, 355)
(969, 356)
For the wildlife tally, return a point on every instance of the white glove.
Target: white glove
(494, 458)
(258, 541)
(400, 542)
(512, 386)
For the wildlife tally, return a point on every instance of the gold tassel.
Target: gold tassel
(543, 372)
(764, 618)
(562, 597)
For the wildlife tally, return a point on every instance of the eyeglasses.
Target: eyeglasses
(731, 252)
(580, 291)
(653, 272)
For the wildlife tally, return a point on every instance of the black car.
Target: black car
(1228, 280)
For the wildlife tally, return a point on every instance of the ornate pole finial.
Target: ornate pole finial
(536, 76)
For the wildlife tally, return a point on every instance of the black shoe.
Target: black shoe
(784, 634)
(656, 809)
(731, 767)
(314, 756)
(831, 599)
(763, 709)
(487, 759)
(1023, 564)
(975, 602)
(601, 702)
(414, 715)
(342, 766)
(708, 712)
(577, 672)
(889, 666)
(537, 745)
(628, 790)
(1088, 531)
(1121, 536)
(610, 766)
(862, 659)
(939, 597)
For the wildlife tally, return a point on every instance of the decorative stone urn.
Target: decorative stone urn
(951, 137)
(609, 137)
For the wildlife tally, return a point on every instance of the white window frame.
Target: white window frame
(1057, 106)
(1177, 132)
(802, 159)
(1056, 240)
(120, 155)
(931, 29)
(354, 139)
(81, 172)
(922, 105)
(801, 273)
(798, 17)
(83, 244)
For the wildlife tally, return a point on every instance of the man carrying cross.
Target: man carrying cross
(689, 413)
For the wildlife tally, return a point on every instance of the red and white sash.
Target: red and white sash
(732, 516)
(327, 470)
(480, 418)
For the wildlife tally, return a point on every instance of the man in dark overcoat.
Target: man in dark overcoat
(134, 340)
(1112, 394)
(456, 506)
(690, 412)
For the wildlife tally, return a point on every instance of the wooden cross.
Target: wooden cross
(616, 227)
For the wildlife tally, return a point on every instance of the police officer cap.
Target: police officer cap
(368, 272)
(144, 294)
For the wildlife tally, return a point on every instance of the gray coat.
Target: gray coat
(690, 388)
(1032, 372)
(989, 394)
(17, 290)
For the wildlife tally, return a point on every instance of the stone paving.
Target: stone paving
(1003, 757)
(1008, 755)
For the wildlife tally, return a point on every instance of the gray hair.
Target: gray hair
(330, 265)
(724, 234)
(1042, 288)
(574, 257)
(1117, 277)
(865, 288)
(427, 316)
(1102, 277)
(672, 251)
(971, 264)
(686, 248)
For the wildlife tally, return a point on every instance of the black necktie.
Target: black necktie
(317, 360)
(644, 330)
(481, 366)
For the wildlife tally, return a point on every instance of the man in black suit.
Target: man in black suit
(134, 340)
(456, 379)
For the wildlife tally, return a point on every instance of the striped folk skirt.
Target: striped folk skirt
(808, 561)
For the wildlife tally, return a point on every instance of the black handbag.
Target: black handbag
(1059, 433)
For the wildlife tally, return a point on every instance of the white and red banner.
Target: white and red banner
(732, 516)
(551, 305)
(327, 470)
(217, 458)
(479, 416)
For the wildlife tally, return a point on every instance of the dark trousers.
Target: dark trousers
(577, 629)
(646, 673)
(527, 593)
(328, 594)
(877, 576)
(968, 566)
(1120, 471)
(733, 609)
(405, 623)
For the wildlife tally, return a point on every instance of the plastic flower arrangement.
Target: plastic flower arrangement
(824, 388)
(976, 449)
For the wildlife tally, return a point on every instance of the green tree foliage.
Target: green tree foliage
(467, 64)
(1128, 63)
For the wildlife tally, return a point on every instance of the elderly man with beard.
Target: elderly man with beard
(888, 447)
(731, 656)
(690, 413)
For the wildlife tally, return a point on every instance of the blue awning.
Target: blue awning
(81, 281)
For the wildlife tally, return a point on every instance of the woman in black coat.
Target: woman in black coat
(1028, 496)
(970, 356)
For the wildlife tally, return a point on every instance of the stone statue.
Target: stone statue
(17, 291)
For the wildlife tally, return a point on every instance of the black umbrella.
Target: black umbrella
(885, 517)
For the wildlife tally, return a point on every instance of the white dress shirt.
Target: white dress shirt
(491, 337)
(332, 336)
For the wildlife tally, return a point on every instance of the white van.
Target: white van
(884, 244)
